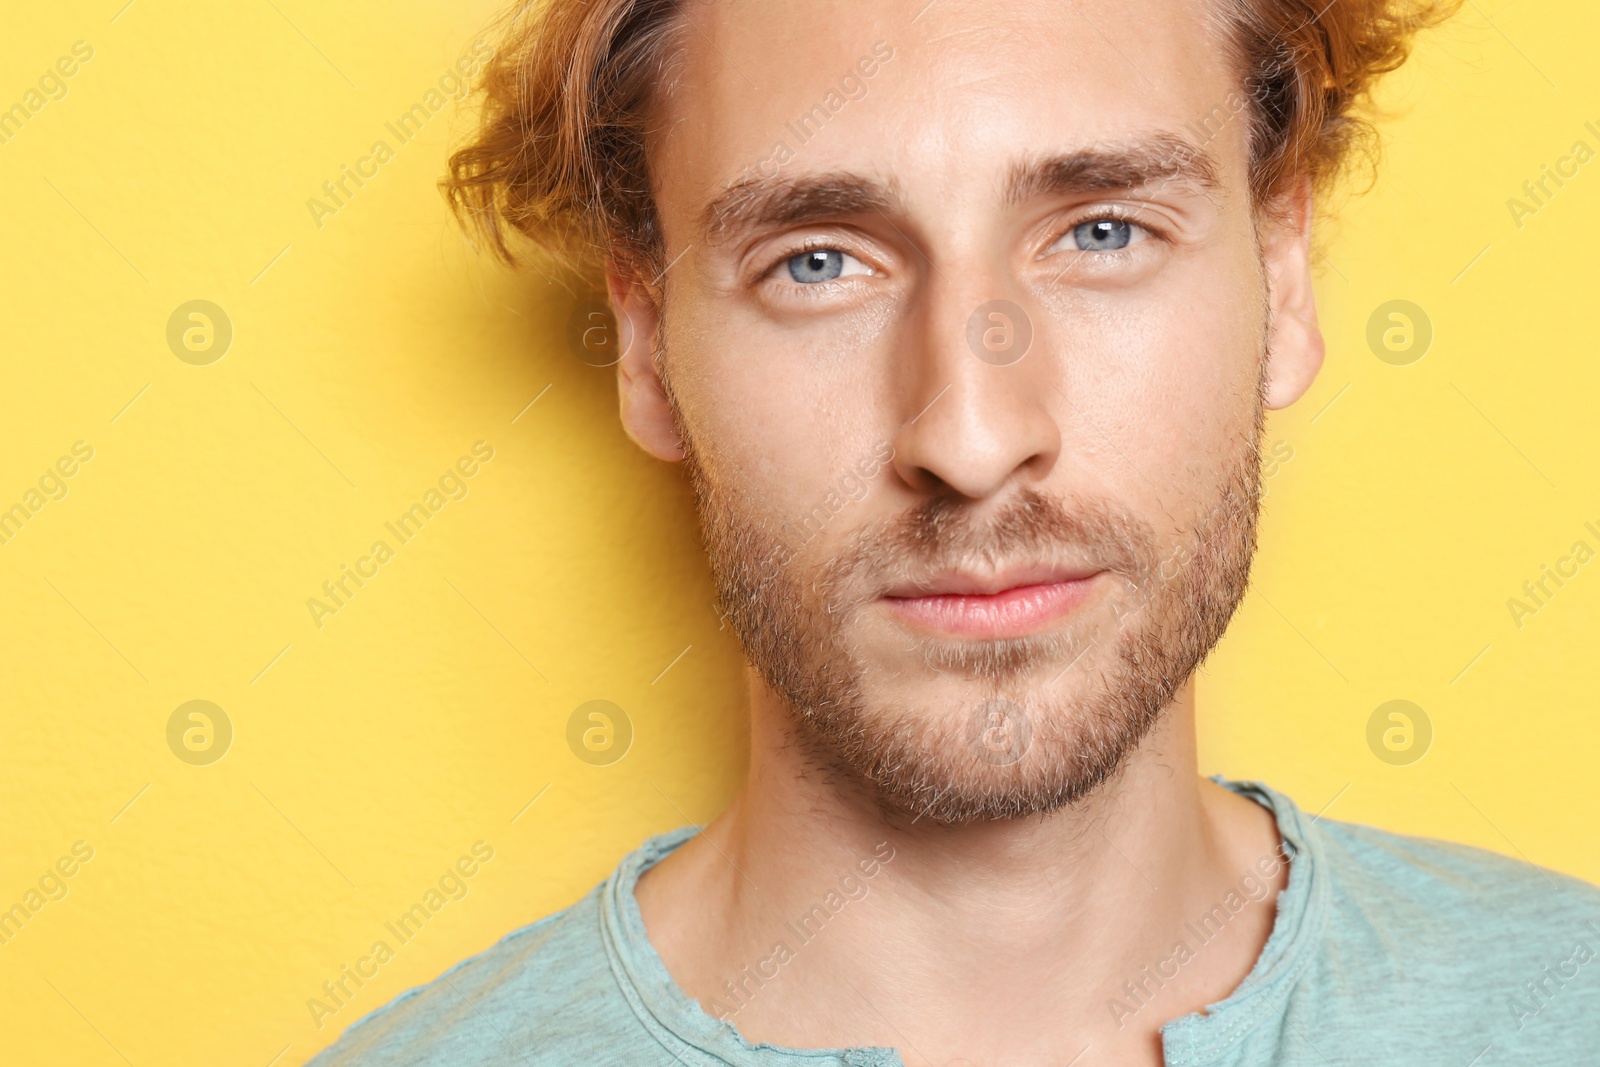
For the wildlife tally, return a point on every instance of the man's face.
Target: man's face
(965, 333)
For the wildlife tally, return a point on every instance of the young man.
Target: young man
(963, 316)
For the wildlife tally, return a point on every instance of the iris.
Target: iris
(818, 265)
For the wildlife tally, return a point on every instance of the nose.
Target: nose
(977, 395)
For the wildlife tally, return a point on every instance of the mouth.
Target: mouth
(1012, 603)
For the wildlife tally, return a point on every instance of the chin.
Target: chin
(950, 750)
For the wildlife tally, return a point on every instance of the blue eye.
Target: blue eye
(1103, 235)
(818, 265)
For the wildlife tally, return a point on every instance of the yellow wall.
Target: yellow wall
(371, 352)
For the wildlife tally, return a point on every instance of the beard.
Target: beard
(1002, 728)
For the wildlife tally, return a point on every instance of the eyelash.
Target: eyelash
(817, 244)
(1114, 213)
(810, 244)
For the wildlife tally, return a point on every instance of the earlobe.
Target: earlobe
(1295, 345)
(1296, 352)
(642, 400)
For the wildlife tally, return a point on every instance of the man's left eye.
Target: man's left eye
(1103, 235)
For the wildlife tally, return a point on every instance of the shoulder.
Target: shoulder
(1427, 886)
(1453, 930)
(537, 993)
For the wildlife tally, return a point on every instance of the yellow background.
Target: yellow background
(372, 351)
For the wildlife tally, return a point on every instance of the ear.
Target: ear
(1294, 345)
(646, 415)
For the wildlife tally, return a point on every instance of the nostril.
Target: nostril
(927, 483)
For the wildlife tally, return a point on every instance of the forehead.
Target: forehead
(935, 98)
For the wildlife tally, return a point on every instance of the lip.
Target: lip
(1008, 604)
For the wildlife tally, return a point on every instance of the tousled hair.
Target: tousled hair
(559, 157)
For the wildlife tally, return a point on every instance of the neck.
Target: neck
(804, 881)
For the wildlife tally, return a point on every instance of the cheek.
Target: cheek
(788, 416)
(1167, 375)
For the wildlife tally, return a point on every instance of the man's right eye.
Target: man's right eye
(824, 265)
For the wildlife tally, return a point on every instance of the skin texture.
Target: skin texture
(996, 934)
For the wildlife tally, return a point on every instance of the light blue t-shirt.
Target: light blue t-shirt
(1385, 950)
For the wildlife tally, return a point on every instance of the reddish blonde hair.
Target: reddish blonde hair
(560, 154)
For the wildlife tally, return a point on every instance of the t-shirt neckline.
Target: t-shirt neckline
(688, 1032)
(1302, 914)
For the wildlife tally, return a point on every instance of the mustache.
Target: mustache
(944, 534)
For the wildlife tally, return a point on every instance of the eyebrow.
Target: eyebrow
(762, 202)
(1158, 160)
(772, 202)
